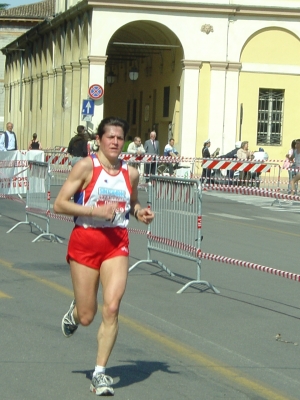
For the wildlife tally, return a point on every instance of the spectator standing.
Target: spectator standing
(244, 154)
(105, 192)
(34, 144)
(206, 172)
(289, 164)
(258, 156)
(10, 138)
(151, 147)
(295, 158)
(2, 141)
(136, 147)
(78, 145)
(170, 151)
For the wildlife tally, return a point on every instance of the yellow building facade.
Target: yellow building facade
(227, 70)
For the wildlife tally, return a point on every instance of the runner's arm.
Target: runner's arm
(141, 214)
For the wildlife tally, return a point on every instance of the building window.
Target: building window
(166, 101)
(270, 114)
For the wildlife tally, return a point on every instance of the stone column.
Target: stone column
(57, 108)
(26, 103)
(45, 100)
(84, 87)
(67, 105)
(75, 101)
(223, 105)
(49, 98)
(231, 106)
(189, 92)
(217, 104)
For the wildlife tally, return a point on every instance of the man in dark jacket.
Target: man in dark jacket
(232, 154)
(151, 146)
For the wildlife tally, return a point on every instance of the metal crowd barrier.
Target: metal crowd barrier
(60, 164)
(38, 199)
(242, 173)
(176, 230)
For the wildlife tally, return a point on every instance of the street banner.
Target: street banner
(14, 168)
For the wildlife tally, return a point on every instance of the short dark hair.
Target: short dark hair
(80, 129)
(112, 121)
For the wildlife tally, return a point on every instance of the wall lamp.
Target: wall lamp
(133, 74)
(110, 78)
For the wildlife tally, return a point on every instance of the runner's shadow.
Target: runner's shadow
(133, 372)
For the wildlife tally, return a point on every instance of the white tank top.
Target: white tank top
(105, 188)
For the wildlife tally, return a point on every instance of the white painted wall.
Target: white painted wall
(62, 5)
(188, 110)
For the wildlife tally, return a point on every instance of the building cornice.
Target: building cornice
(191, 64)
(186, 7)
(97, 60)
(225, 66)
(170, 8)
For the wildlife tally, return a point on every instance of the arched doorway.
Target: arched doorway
(143, 73)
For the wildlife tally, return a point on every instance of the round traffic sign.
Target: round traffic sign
(96, 91)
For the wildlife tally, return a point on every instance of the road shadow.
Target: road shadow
(132, 372)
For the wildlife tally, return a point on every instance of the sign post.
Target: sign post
(87, 110)
(96, 91)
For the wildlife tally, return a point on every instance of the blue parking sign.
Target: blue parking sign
(87, 107)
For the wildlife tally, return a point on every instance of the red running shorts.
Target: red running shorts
(91, 246)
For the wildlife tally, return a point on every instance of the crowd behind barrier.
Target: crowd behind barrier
(168, 197)
(38, 199)
(264, 176)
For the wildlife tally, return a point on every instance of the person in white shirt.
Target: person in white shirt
(170, 151)
(136, 148)
(2, 141)
(10, 138)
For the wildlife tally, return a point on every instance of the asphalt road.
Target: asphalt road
(172, 346)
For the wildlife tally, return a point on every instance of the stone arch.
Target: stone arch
(156, 52)
(273, 45)
(270, 61)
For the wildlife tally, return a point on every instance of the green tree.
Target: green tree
(3, 6)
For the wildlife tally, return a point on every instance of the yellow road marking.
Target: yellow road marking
(223, 370)
(4, 295)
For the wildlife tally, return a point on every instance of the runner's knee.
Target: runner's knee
(85, 317)
(111, 310)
